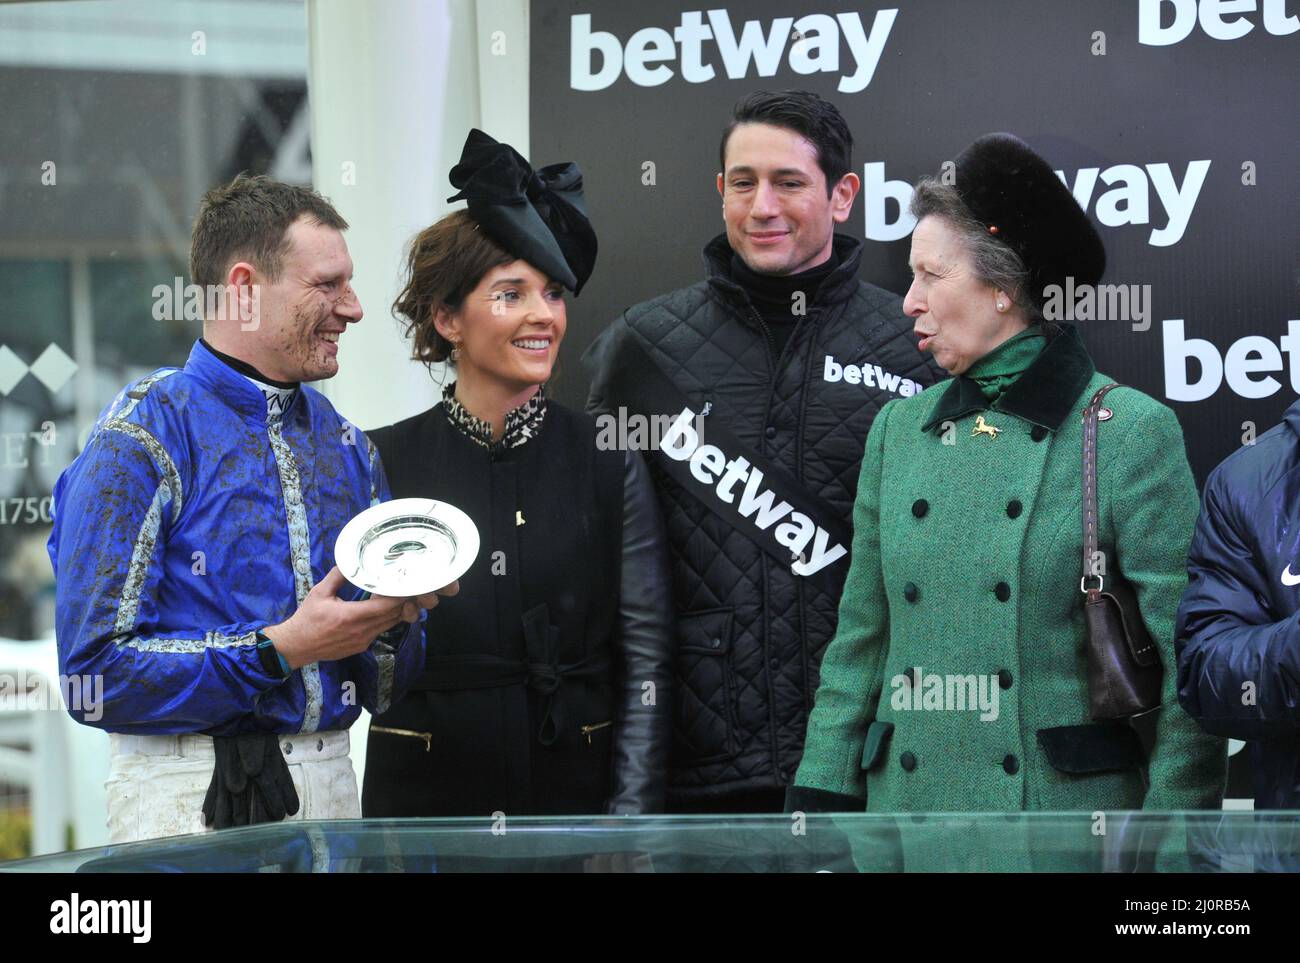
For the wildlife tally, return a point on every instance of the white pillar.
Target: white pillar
(503, 41)
(394, 88)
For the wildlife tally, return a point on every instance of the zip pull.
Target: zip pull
(426, 736)
(588, 730)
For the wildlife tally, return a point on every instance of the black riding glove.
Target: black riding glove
(250, 782)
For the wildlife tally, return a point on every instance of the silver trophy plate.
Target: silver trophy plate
(406, 547)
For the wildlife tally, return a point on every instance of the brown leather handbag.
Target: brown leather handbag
(1124, 670)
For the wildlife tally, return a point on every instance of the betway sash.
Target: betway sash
(751, 494)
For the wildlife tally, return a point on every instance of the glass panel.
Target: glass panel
(848, 842)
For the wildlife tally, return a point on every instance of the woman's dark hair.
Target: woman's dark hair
(804, 113)
(444, 263)
(993, 262)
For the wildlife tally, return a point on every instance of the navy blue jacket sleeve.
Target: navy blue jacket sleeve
(1238, 662)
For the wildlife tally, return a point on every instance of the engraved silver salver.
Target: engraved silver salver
(406, 547)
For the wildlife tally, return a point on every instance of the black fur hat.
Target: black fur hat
(1021, 201)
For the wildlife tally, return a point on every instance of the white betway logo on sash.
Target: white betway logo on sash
(719, 475)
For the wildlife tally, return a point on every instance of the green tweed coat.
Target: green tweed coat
(966, 563)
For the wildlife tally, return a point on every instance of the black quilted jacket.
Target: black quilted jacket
(750, 633)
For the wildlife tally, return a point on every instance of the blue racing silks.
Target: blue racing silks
(194, 518)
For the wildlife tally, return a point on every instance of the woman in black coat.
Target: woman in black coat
(546, 684)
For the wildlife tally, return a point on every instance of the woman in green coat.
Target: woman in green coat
(956, 680)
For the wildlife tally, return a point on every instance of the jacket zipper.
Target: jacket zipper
(426, 736)
(772, 358)
(588, 730)
(774, 361)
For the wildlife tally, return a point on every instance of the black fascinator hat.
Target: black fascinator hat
(539, 216)
(1020, 200)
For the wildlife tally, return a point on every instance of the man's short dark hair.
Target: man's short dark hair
(248, 220)
(804, 113)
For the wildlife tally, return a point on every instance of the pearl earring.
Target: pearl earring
(1001, 306)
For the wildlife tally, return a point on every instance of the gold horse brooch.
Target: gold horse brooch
(983, 428)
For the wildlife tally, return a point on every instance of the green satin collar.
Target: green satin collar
(1003, 366)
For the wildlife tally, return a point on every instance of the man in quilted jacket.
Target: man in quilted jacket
(764, 378)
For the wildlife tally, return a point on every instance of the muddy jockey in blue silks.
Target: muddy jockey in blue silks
(193, 544)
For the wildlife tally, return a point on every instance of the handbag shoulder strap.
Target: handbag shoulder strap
(1090, 414)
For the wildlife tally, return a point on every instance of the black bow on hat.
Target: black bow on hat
(1017, 196)
(539, 216)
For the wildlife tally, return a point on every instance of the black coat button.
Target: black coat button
(774, 663)
(1014, 508)
(907, 761)
(920, 507)
(770, 432)
(1038, 433)
(1003, 591)
(1005, 678)
(1011, 764)
(911, 592)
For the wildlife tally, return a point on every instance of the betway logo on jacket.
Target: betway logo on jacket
(718, 475)
(871, 375)
(811, 44)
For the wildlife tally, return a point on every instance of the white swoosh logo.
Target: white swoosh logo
(1288, 579)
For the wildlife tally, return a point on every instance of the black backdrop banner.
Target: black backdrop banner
(1174, 123)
